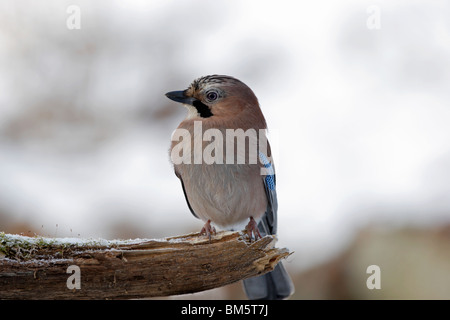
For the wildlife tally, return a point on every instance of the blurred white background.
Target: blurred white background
(356, 95)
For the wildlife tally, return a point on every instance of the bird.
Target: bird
(224, 183)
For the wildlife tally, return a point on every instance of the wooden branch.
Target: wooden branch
(46, 268)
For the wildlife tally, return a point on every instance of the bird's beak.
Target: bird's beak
(179, 96)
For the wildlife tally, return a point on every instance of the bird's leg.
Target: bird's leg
(208, 229)
(252, 228)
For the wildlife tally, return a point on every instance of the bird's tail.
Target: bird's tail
(275, 285)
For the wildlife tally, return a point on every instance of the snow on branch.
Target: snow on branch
(66, 268)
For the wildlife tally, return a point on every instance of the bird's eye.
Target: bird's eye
(212, 95)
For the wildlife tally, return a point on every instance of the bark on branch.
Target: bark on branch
(39, 268)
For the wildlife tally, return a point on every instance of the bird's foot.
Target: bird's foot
(208, 229)
(252, 228)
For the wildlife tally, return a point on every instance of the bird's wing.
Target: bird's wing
(185, 195)
(268, 223)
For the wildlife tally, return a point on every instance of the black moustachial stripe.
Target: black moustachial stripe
(202, 109)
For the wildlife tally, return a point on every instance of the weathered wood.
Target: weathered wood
(37, 268)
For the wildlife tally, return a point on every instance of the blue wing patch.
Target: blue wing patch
(270, 173)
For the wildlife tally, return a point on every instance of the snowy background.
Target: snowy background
(359, 116)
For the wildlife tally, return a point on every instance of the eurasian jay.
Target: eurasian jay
(224, 183)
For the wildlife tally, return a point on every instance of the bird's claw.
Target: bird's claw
(208, 230)
(252, 228)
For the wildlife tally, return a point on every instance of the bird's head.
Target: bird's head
(219, 97)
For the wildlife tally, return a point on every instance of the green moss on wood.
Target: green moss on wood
(24, 248)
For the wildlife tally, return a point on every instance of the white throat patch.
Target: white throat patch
(192, 111)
